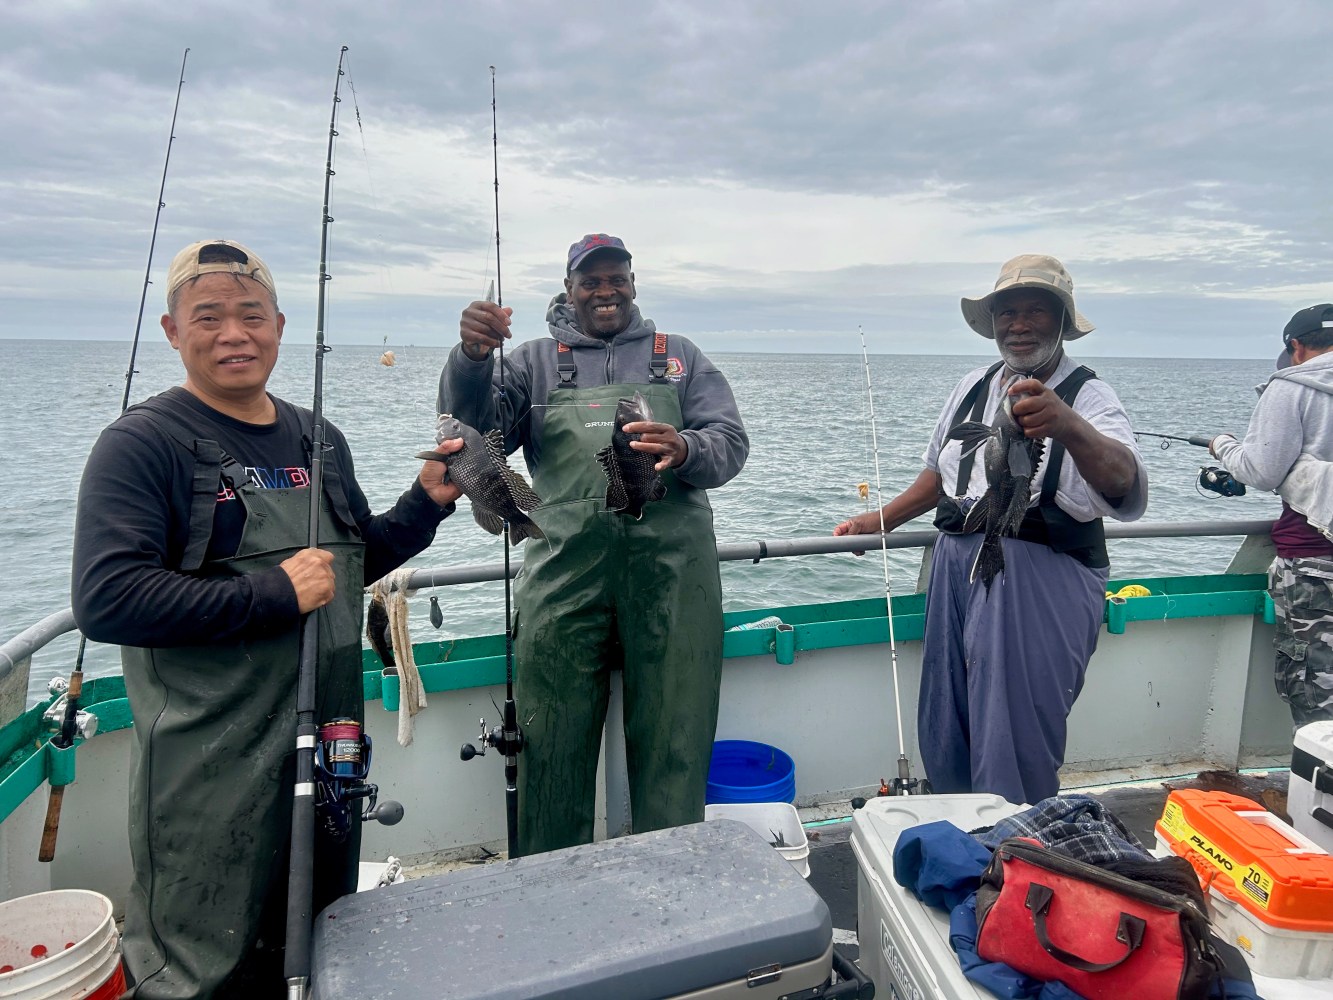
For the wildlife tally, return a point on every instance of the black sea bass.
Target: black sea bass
(631, 480)
(481, 470)
(1011, 461)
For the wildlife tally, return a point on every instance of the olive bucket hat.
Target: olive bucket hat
(1029, 270)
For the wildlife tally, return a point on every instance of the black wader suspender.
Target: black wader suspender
(212, 467)
(568, 372)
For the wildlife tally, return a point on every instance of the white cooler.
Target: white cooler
(904, 943)
(1310, 788)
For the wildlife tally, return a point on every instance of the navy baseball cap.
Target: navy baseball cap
(1310, 320)
(595, 242)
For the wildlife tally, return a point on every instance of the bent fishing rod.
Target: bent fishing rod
(506, 738)
(904, 783)
(301, 872)
(70, 728)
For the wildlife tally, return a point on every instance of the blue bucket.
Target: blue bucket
(743, 771)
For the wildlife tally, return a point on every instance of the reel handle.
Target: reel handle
(386, 813)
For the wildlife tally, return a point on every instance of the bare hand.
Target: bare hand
(1041, 413)
(483, 327)
(434, 476)
(658, 438)
(862, 524)
(311, 573)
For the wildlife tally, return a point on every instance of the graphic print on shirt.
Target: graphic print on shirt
(291, 477)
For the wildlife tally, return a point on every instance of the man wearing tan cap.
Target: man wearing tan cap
(1003, 659)
(190, 553)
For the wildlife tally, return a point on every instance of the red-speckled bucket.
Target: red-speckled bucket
(60, 945)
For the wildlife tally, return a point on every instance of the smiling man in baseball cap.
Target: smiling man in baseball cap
(611, 590)
(190, 552)
(1289, 448)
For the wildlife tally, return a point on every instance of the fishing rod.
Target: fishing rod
(1200, 440)
(1212, 478)
(152, 242)
(506, 738)
(301, 872)
(904, 783)
(69, 727)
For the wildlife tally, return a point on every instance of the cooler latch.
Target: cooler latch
(763, 975)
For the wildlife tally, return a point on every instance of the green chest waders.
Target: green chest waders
(610, 591)
(213, 771)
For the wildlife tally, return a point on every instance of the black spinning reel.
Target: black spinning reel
(1217, 480)
(342, 764)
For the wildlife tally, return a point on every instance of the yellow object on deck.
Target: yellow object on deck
(1131, 590)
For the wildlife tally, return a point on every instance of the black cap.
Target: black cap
(1310, 320)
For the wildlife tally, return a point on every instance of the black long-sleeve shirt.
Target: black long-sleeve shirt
(132, 528)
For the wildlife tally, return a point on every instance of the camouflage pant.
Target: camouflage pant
(1302, 592)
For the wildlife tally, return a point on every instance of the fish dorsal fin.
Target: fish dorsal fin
(617, 497)
(523, 495)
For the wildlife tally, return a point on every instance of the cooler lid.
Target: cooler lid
(875, 826)
(1316, 738)
(650, 915)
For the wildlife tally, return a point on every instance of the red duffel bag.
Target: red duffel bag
(1104, 936)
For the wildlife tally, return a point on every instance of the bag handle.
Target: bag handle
(1129, 932)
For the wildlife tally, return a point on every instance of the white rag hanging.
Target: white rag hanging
(392, 589)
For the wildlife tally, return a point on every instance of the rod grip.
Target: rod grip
(47, 850)
(1202, 440)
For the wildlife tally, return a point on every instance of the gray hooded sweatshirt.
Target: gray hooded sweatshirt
(713, 432)
(1288, 447)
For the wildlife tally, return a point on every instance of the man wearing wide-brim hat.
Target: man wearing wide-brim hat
(1015, 600)
(1289, 448)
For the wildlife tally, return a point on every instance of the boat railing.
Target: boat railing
(29, 641)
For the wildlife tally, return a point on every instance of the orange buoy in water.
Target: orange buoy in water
(387, 359)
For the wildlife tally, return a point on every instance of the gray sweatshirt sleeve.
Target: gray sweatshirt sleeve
(718, 444)
(470, 390)
(1273, 441)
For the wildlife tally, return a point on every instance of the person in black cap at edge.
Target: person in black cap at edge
(603, 590)
(1288, 448)
(1002, 666)
(190, 553)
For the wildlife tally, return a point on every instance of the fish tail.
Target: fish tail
(520, 530)
(989, 561)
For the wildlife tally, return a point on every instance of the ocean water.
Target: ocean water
(807, 416)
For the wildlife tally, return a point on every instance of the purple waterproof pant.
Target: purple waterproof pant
(1000, 671)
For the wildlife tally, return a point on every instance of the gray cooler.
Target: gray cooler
(708, 910)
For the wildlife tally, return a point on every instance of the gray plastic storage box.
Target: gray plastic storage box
(707, 910)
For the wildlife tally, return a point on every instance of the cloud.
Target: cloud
(782, 174)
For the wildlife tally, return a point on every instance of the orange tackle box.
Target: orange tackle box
(1269, 887)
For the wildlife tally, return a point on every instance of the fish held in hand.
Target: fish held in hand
(631, 476)
(1011, 461)
(481, 470)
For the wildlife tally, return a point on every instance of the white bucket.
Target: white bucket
(59, 945)
(770, 820)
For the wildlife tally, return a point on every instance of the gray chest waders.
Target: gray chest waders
(611, 592)
(213, 770)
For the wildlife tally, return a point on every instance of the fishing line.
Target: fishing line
(904, 783)
(386, 276)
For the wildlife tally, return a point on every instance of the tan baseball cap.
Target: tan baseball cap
(217, 256)
(1029, 270)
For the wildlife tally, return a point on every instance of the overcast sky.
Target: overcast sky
(782, 172)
